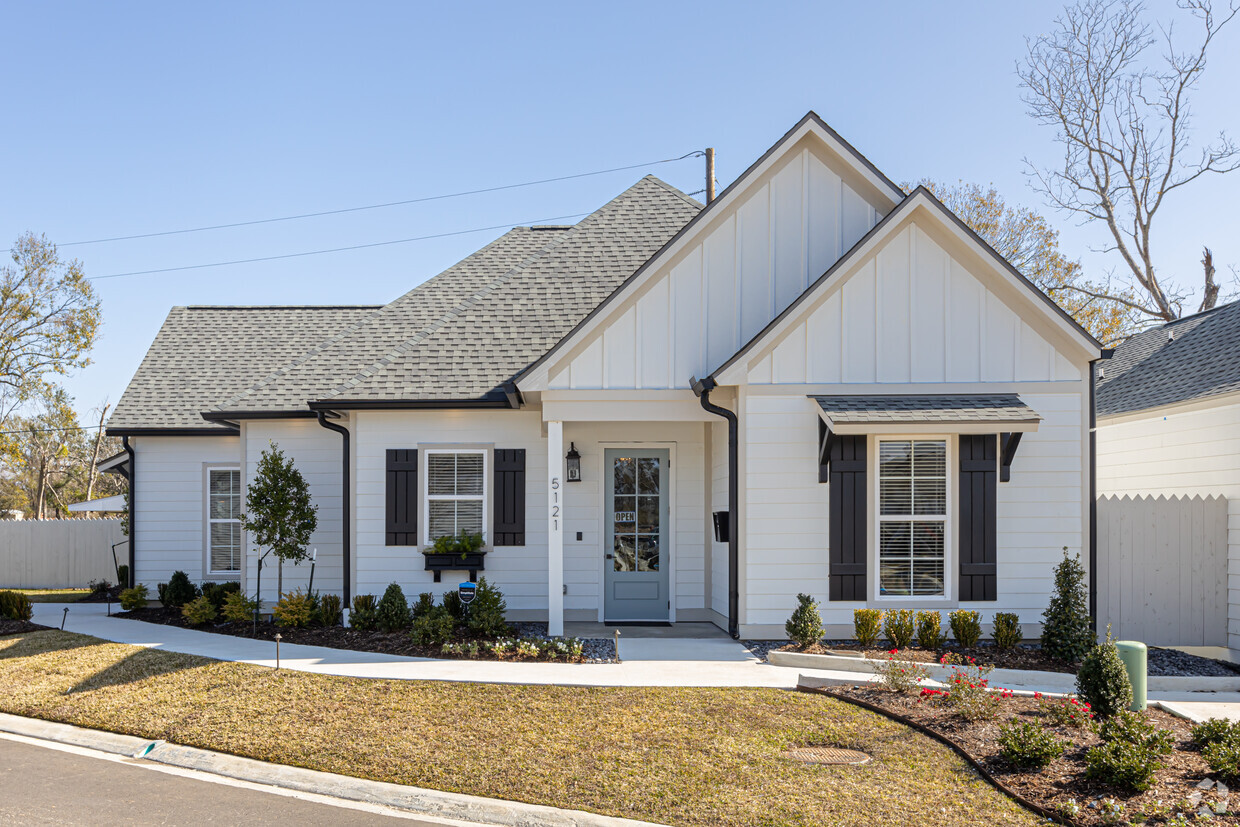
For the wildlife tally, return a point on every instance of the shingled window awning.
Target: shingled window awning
(938, 413)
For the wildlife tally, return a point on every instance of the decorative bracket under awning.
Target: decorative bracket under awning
(1008, 443)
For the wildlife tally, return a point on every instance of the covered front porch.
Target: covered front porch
(634, 481)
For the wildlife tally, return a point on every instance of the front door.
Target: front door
(636, 546)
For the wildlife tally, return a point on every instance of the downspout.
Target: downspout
(1093, 485)
(346, 597)
(703, 388)
(133, 509)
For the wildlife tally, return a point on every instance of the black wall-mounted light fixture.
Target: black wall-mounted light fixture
(574, 463)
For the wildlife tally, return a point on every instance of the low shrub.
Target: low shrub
(1223, 756)
(135, 598)
(1070, 711)
(867, 625)
(966, 627)
(1007, 633)
(930, 634)
(1103, 681)
(1214, 730)
(237, 608)
(898, 627)
(1131, 752)
(198, 611)
(804, 628)
(295, 610)
(433, 628)
(329, 610)
(98, 588)
(393, 612)
(217, 593)
(364, 614)
(122, 575)
(424, 603)
(15, 606)
(485, 615)
(179, 591)
(452, 602)
(161, 589)
(1025, 744)
(901, 676)
(969, 693)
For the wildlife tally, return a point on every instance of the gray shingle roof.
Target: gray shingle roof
(470, 329)
(1191, 358)
(203, 353)
(997, 408)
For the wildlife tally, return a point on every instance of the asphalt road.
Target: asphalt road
(43, 785)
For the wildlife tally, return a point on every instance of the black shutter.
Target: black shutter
(509, 496)
(848, 518)
(978, 506)
(402, 497)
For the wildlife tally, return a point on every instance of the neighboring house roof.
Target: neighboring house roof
(202, 354)
(933, 408)
(1188, 359)
(463, 334)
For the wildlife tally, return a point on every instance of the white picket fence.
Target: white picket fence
(58, 554)
(1162, 569)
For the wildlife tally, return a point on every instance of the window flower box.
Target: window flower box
(458, 552)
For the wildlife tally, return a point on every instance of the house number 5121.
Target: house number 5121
(555, 503)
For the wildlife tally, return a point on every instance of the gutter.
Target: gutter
(702, 389)
(1107, 353)
(132, 477)
(346, 534)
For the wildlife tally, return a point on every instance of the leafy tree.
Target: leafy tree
(1067, 629)
(49, 319)
(279, 513)
(1031, 245)
(1122, 117)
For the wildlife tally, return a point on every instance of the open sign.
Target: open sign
(467, 592)
(626, 516)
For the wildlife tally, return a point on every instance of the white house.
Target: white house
(817, 383)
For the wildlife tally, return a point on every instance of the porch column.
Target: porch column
(555, 528)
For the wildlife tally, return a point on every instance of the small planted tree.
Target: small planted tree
(1067, 629)
(804, 628)
(278, 513)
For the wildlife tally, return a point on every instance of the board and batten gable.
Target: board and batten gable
(170, 502)
(753, 254)
(914, 315)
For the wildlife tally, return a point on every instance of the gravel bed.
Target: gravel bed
(595, 650)
(1161, 662)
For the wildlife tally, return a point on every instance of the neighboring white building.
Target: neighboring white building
(904, 418)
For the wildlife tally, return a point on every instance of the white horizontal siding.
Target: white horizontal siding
(169, 530)
(758, 258)
(1040, 510)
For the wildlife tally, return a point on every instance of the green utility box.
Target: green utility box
(1134, 653)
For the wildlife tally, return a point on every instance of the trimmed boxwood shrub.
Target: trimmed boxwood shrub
(393, 612)
(1025, 744)
(898, 627)
(930, 634)
(966, 627)
(1103, 681)
(1007, 633)
(804, 628)
(15, 606)
(179, 591)
(867, 625)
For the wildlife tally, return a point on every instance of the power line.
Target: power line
(384, 205)
(506, 224)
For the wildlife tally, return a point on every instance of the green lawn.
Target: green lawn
(53, 595)
(680, 756)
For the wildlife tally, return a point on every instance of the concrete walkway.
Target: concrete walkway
(707, 660)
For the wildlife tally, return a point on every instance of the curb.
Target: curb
(430, 803)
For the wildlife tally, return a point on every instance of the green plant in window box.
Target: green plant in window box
(461, 544)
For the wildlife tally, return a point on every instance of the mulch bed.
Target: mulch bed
(1161, 661)
(17, 627)
(1175, 787)
(112, 594)
(333, 637)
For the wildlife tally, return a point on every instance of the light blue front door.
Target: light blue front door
(635, 543)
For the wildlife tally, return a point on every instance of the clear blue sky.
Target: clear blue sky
(128, 118)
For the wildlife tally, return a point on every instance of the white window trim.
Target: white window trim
(948, 597)
(425, 496)
(208, 520)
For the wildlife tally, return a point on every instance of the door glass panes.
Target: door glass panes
(223, 513)
(636, 513)
(912, 494)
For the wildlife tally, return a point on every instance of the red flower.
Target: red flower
(892, 651)
(1037, 696)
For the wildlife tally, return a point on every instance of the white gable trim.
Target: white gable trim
(537, 376)
(1040, 309)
